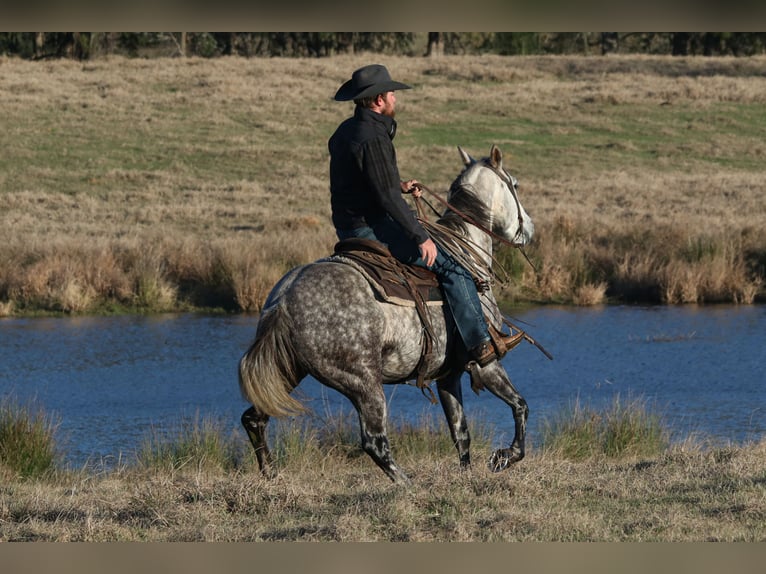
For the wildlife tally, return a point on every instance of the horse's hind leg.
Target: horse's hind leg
(451, 398)
(255, 425)
(495, 379)
(372, 422)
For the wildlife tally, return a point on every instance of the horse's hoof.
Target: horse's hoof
(402, 480)
(498, 462)
(269, 473)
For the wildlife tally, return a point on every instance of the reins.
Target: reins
(472, 221)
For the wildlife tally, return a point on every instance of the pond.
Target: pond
(111, 382)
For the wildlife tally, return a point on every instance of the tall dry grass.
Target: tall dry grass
(577, 264)
(180, 183)
(153, 273)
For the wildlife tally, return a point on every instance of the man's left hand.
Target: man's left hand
(412, 186)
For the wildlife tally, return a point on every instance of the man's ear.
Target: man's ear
(378, 102)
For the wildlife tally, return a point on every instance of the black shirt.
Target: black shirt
(364, 177)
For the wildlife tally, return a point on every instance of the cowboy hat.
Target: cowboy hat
(368, 81)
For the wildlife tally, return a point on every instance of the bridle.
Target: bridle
(511, 183)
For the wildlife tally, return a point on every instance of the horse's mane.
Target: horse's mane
(464, 199)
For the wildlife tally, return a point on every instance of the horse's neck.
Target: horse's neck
(482, 241)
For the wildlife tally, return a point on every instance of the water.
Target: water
(113, 381)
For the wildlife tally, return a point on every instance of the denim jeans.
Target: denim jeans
(457, 284)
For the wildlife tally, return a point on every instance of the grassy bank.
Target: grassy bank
(203, 485)
(680, 495)
(183, 183)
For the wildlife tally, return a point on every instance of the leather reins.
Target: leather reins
(506, 179)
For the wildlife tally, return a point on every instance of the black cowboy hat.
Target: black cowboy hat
(368, 81)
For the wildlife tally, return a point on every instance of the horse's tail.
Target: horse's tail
(267, 371)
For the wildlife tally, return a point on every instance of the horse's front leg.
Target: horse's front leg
(451, 398)
(494, 378)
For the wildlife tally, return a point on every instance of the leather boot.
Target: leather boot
(483, 353)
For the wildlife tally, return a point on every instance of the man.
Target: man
(366, 197)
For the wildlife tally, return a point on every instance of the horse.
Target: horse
(323, 319)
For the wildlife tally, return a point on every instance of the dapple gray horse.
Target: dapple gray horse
(323, 319)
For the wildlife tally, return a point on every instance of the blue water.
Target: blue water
(111, 382)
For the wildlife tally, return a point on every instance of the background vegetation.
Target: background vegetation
(86, 45)
(183, 183)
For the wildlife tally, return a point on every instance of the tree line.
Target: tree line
(87, 45)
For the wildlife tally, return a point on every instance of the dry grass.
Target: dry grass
(600, 476)
(684, 494)
(175, 183)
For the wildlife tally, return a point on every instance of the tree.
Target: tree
(610, 42)
(435, 47)
(679, 42)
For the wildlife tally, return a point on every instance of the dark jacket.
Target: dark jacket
(364, 177)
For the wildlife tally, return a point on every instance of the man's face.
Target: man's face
(389, 104)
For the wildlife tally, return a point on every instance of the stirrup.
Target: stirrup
(504, 343)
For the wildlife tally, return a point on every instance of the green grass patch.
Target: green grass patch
(624, 430)
(197, 443)
(27, 440)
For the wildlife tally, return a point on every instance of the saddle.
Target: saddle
(397, 283)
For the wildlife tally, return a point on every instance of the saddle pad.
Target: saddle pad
(394, 281)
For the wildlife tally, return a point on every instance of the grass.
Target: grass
(624, 483)
(624, 430)
(176, 184)
(27, 441)
(201, 443)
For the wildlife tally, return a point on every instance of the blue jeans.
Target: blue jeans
(457, 284)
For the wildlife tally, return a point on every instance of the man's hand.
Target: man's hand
(428, 252)
(412, 186)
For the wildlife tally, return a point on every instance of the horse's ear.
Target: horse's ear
(467, 159)
(496, 157)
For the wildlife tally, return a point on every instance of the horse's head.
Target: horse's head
(498, 189)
